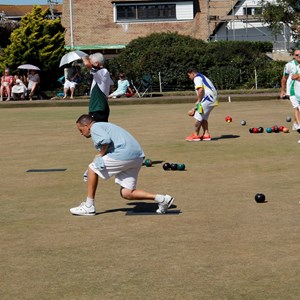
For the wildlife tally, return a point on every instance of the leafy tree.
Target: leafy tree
(281, 12)
(6, 28)
(38, 41)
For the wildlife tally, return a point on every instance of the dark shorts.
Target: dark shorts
(99, 116)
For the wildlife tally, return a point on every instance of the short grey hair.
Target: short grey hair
(97, 57)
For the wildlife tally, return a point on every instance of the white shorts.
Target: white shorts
(207, 106)
(295, 102)
(69, 84)
(125, 172)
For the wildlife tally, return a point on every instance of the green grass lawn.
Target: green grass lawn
(223, 245)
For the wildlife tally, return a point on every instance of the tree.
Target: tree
(6, 28)
(38, 41)
(280, 12)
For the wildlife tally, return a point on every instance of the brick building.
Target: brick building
(110, 25)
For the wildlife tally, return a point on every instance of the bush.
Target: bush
(230, 65)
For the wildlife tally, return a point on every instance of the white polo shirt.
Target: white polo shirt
(289, 69)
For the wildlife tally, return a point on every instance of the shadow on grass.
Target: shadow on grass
(226, 136)
(139, 208)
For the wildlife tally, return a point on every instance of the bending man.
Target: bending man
(120, 155)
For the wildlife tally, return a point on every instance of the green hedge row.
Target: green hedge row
(230, 65)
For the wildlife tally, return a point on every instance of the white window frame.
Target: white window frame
(184, 10)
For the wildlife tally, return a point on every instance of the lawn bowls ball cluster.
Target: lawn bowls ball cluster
(256, 130)
(173, 166)
(274, 128)
(277, 129)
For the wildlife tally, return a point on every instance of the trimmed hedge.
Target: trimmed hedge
(230, 65)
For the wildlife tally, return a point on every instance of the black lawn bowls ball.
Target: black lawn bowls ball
(288, 119)
(173, 167)
(166, 166)
(260, 129)
(260, 198)
(276, 129)
(181, 167)
(148, 162)
(251, 130)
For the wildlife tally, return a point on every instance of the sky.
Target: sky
(25, 2)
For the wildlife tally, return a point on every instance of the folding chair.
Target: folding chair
(61, 81)
(145, 86)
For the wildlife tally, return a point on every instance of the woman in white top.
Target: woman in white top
(19, 90)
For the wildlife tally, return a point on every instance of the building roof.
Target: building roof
(22, 10)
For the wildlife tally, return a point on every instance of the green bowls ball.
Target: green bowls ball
(180, 167)
(148, 162)
(269, 130)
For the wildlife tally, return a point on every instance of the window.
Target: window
(127, 12)
(146, 12)
(143, 12)
(252, 11)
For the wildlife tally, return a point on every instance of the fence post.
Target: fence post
(255, 76)
(160, 87)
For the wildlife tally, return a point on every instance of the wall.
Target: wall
(93, 24)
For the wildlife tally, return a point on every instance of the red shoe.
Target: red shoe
(193, 138)
(205, 138)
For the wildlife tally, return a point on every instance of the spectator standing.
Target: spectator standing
(100, 88)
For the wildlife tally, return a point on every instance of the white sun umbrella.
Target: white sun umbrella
(29, 67)
(72, 56)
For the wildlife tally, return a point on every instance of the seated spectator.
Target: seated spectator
(122, 88)
(33, 83)
(6, 84)
(19, 90)
(72, 79)
(22, 77)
